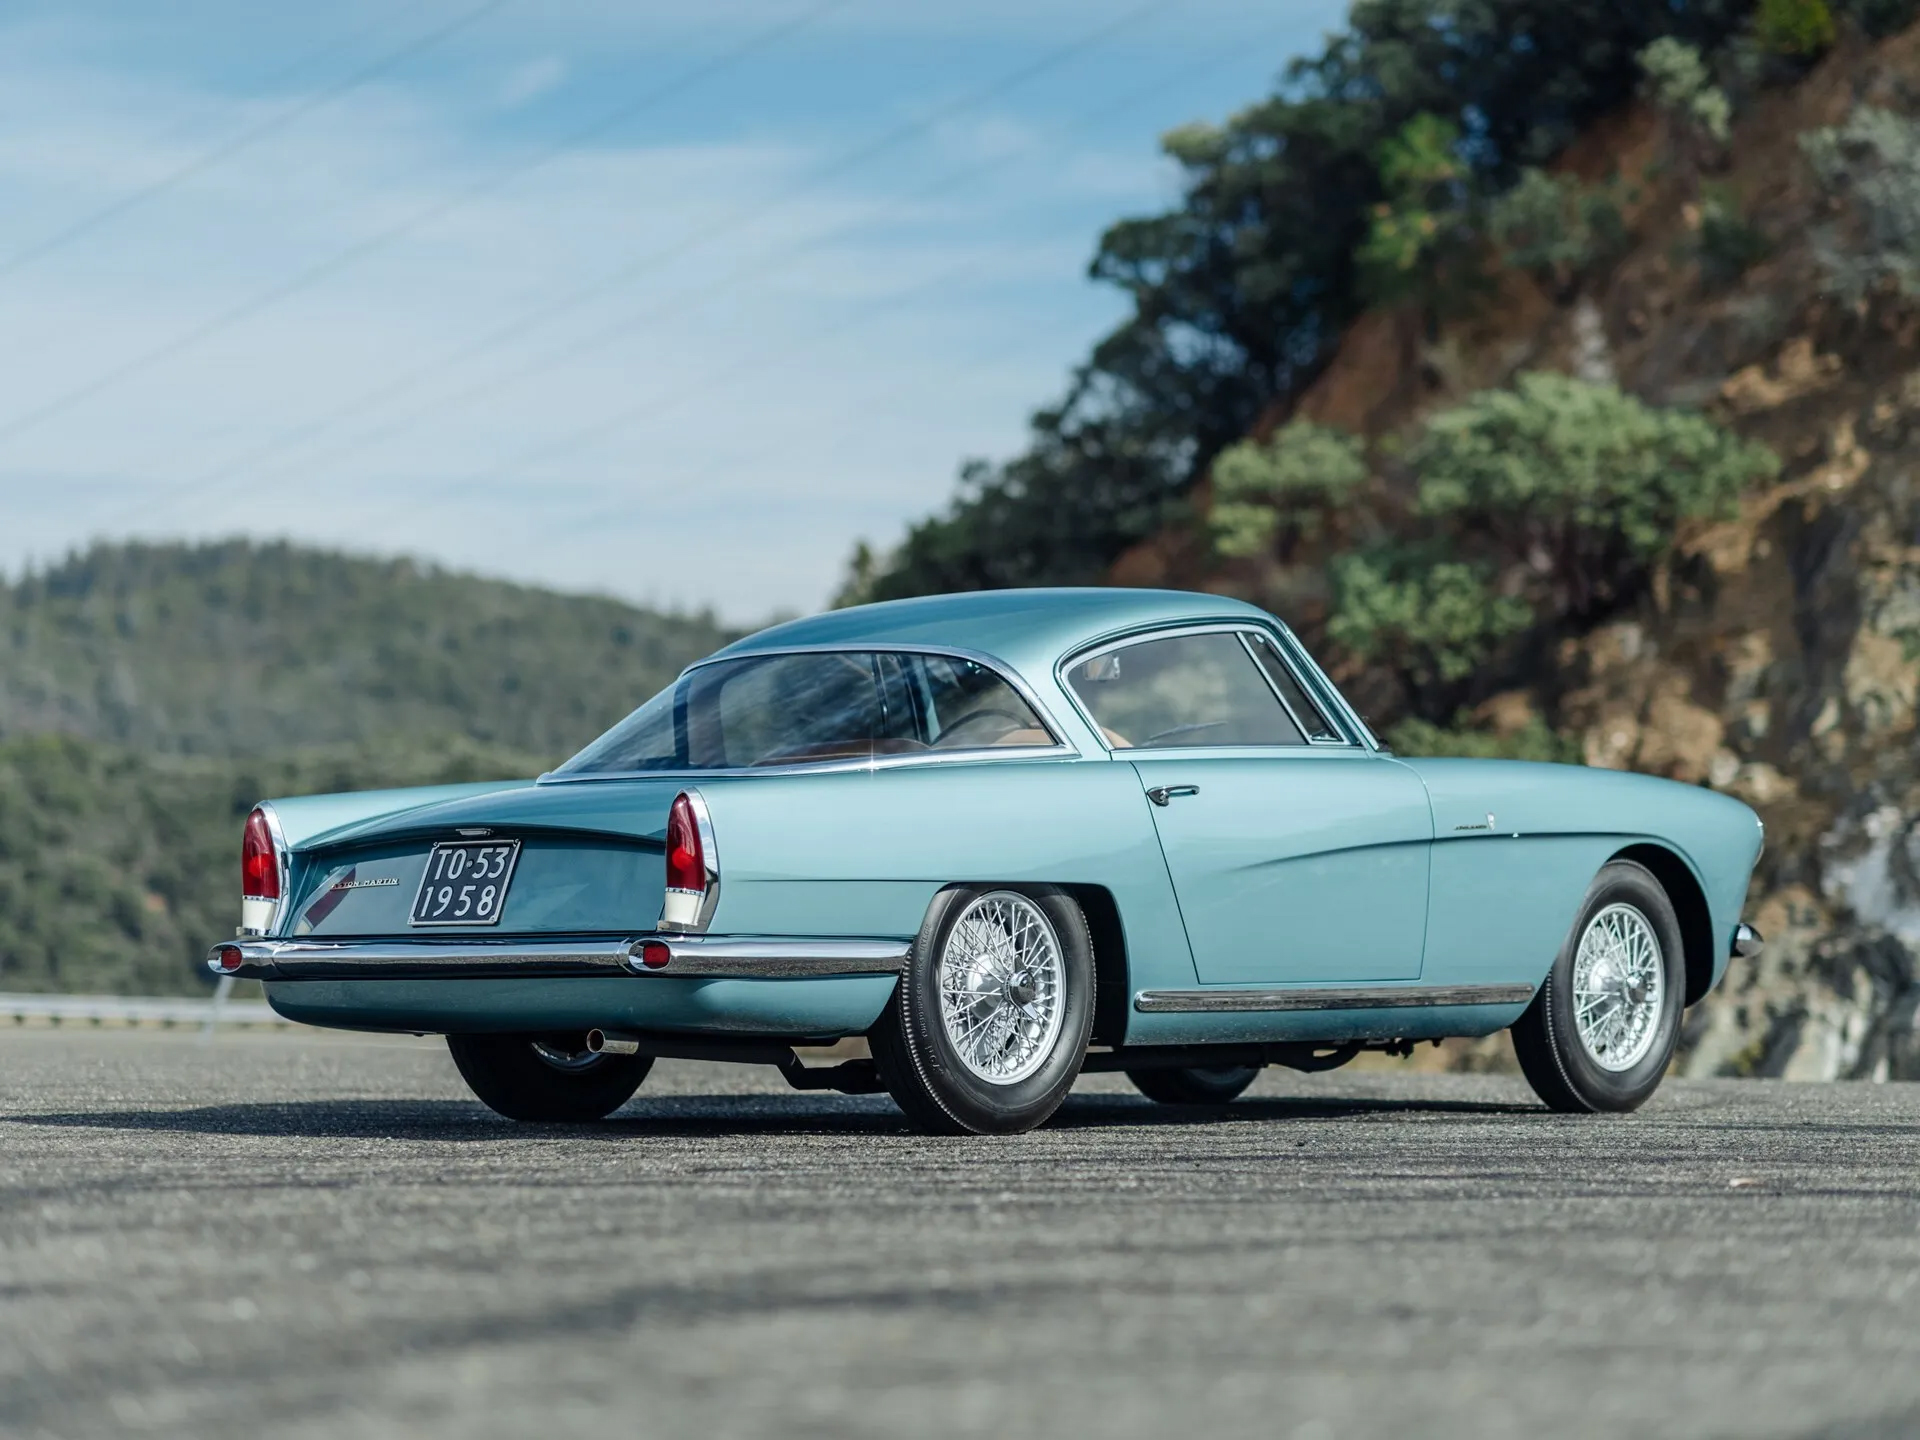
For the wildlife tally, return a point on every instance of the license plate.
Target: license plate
(465, 883)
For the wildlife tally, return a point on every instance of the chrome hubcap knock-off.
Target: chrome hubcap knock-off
(1002, 982)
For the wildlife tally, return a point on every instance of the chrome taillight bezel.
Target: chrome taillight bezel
(684, 911)
(260, 914)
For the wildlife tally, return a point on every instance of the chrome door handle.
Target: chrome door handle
(1163, 794)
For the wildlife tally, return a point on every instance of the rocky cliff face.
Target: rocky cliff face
(1776, 653)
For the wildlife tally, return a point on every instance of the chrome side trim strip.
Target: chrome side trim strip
(1384, 997)
(689, 956)
(771, 959)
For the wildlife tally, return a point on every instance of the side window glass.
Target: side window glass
(1186, 690)
(1305, 708)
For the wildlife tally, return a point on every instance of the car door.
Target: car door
(1297, 853)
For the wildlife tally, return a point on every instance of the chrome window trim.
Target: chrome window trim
(1059, 749)
(1237, 628)
(1322, 685)
(1246, 643)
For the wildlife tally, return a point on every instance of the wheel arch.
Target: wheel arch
(1689, 900)
(1110, 984)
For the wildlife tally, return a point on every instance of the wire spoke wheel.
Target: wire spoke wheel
(1619, 987)
(1002, 983)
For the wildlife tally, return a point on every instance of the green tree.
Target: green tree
(1288, 482)
(1239, 294)
(1417, 233)
(1580, 483)
(1795, 27)
(1415, 610)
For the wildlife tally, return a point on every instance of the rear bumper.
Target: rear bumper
(521, 957)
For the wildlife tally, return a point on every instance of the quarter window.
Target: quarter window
(1305, 708)
(1185, 690)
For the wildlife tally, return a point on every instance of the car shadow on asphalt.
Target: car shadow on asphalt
(682, 1116)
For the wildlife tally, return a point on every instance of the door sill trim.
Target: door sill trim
(1385, 997)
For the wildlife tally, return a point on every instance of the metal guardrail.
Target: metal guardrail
(138, 1010)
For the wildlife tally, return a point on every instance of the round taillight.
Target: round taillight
(655, 954)
(686, 866)
(227, 958)
(259, 866)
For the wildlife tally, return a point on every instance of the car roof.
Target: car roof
(1028, 629)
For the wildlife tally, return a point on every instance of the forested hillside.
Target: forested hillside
(150, 695)
(1554, 366)
(237, 649)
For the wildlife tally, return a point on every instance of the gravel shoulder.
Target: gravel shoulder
(324, 1235)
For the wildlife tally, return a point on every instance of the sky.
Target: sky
(674, 303)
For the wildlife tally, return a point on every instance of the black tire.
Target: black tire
(1560, 1062)
(1217, 1085)
(510, 1075)
(944, 1094)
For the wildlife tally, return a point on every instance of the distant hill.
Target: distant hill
(151, 694)
(118, 870)
(242, 649)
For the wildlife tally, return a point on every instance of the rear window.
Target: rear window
(817, 706)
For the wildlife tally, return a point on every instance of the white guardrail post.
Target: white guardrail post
(139, 1010)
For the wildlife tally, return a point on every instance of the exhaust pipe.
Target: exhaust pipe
(612, 1042)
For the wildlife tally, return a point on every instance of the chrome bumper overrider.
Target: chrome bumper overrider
(686, 956)
(1747, 941)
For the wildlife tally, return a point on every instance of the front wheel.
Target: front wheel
(989, 1023)
(1601, 1031)
(551, 1078)
(1212, 1085)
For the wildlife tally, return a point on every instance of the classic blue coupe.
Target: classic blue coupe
(1006, 837)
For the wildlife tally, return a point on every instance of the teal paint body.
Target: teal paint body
(1290, 867)
(791, 1009)
(1297, 864)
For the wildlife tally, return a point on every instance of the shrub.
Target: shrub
(1678, 81)
(1729, 244)
(1302, 471)
(1871, 166)
(1534, 741)
(1555, 229)
(1431, 618)
(1795, 27)
(1580, 483)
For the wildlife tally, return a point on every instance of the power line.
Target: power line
(655, 406)
(360, 250)
(533, 319)
(226, 150)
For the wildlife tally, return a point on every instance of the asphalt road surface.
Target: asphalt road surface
(309, 1235)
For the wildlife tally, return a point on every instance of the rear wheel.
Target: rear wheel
(1601, 1031)
(552, 1078)
(989, 1023)
(1212, 1085)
